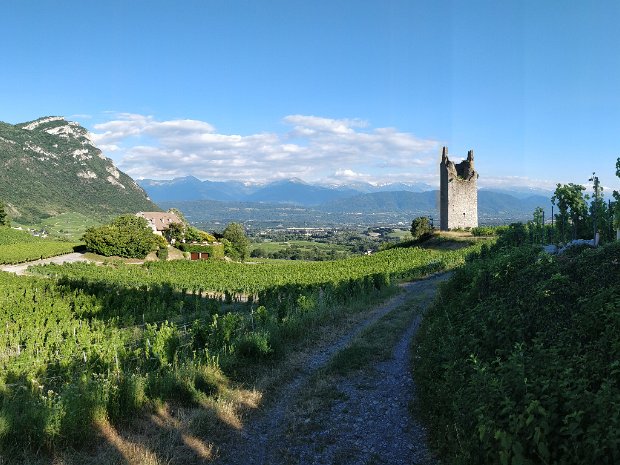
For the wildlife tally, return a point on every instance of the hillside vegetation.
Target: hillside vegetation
(518, 362)
(50, 166)
(20, 246)
(253, 278)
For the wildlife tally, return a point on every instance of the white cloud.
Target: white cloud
(313, 149)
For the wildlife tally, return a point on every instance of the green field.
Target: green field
(66, 226)
(20, 246)
(401, 234)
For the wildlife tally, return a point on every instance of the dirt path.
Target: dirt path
(20, 269)
(370, 424)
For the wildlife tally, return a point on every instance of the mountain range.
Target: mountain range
(293, 202)
(290, 191)
(51, 166)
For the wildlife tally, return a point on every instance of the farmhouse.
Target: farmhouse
(159, 221)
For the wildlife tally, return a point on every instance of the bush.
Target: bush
(254, 345)
(484, 231)
(214, 250)
(162, 253)
(517, 362)
(127, 236)
(421, 227)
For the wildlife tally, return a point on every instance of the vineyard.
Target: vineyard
(20, 246)
(109, 341)
(252, 278)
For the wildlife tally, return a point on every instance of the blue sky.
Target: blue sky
(325, 90)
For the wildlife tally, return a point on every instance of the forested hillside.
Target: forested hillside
(50, 166)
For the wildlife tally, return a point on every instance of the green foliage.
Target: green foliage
(517, 362)
(5, 220)
(239, 243)
(179, 232)
(421, 227)
(572, 210)
(10, 236)
(250, 279)
(162, 253)
(160, 242)
(616, 205)
(175, 232)
(127, 236)
(20, 253)
(254, 345)
(299, 250)
(20, 246)
(205, 236)
(214, 250)
(487, 230)
(108, 341)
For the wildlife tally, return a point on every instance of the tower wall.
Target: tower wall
(458, 193)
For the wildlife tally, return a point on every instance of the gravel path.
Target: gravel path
(21, 268)
(370, 425)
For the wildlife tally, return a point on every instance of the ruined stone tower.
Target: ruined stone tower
(458, 193)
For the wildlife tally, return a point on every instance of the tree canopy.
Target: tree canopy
(238, 243)
(420, 227)
(4, 216)
(127, 236)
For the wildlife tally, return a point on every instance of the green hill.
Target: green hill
(50, 166)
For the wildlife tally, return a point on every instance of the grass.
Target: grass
(374, 344)
(163, 433)
(68, 226)
(401, 234)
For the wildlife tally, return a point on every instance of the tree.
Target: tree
(4, 216)
(616, 204)
(175, 232)
(538, 226)
(572, 205)
(239, 242)
(127, 236)
(421, 227)
(600, 214)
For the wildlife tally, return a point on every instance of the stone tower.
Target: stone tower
(458, 193)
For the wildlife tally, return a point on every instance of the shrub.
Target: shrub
(421, 227)
(517, 362)
(127, 236)
(254, 345)
(162, 253)
(214, 250)
(484, 231)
